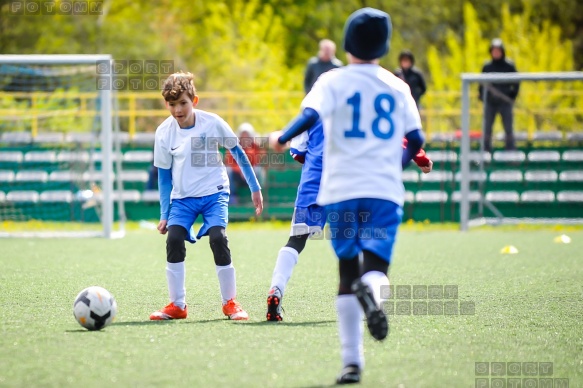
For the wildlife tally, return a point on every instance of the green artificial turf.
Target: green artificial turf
(528, 308)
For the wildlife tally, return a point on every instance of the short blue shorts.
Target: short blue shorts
(214, 210)
(308, 220)
(363, 224)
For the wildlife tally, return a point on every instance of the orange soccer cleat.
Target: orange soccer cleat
(234, 311)
(169, 312)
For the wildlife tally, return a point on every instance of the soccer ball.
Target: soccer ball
(94, 308)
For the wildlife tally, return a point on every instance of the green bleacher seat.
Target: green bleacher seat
(2, 197)
(544, 156)
(11, 157)
(519, 136)
(410, 176)
(571, 176)
(73, 156)
(503, 196)
(26, 196)
(48, 138)
(409, 197)
(134, 176)
(127, 195)
(82, 138)
(537, 196)
(56, 196)
(575, 136)
(480, 157)
(504, 176)
(438, 156)
(138, 156)
(123, 137)
(573, 156)
(475, 196)
(437, 176)
(570, 196)
(150, 196)
(542, 136)
(94, 176)
(541, 176)
(65, 176)
(144, 139)
(475, 176)
(31, 176)
(509, 156)
(16, 137)
(40, 157)
(6, 176)
(431, 196)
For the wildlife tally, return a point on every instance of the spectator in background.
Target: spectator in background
(411, 75)
(247, 139)
(326, 60)
(499, 97)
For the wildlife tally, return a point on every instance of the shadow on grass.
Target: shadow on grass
(140, 323)
(82, 331)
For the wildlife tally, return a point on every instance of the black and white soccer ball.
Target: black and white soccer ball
(94, 308)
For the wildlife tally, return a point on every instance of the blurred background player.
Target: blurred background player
(411, 75)
(325, 61)
(309, 218)
(366, 111)
(247, 140)
(499, 97)
(193, 181)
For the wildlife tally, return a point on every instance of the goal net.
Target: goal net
(538, 178)
(57, 151)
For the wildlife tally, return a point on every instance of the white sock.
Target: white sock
(377, 280)
(350, 330)
(227, 282)
(175, 275)
(287, 259)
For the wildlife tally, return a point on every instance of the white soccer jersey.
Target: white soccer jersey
(193, 154)
(366, 111)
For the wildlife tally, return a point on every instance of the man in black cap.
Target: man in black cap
(499, 98)
(365, 111)
(411, 75)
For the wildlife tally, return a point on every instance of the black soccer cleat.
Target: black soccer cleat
(376, 320)
(274, 310)
(350, 374)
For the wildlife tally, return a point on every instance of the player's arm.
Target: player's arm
(415, 140)
(300, 124)
(165, 188)
(163, 161)
(249, 175)
(421, 159)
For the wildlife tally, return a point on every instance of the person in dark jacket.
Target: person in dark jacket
(326, 60)
(498, 98)
(411, 75)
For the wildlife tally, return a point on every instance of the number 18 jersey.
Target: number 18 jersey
(366, 111)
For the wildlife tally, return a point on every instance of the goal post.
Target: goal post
(77, 72)
(469, 80)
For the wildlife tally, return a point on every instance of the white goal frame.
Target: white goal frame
(106, 118)
(472, 78)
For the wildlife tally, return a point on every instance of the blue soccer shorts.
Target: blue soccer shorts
(308, 220)
(214, 210)
(363, 224)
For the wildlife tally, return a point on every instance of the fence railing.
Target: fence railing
(267, 111)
